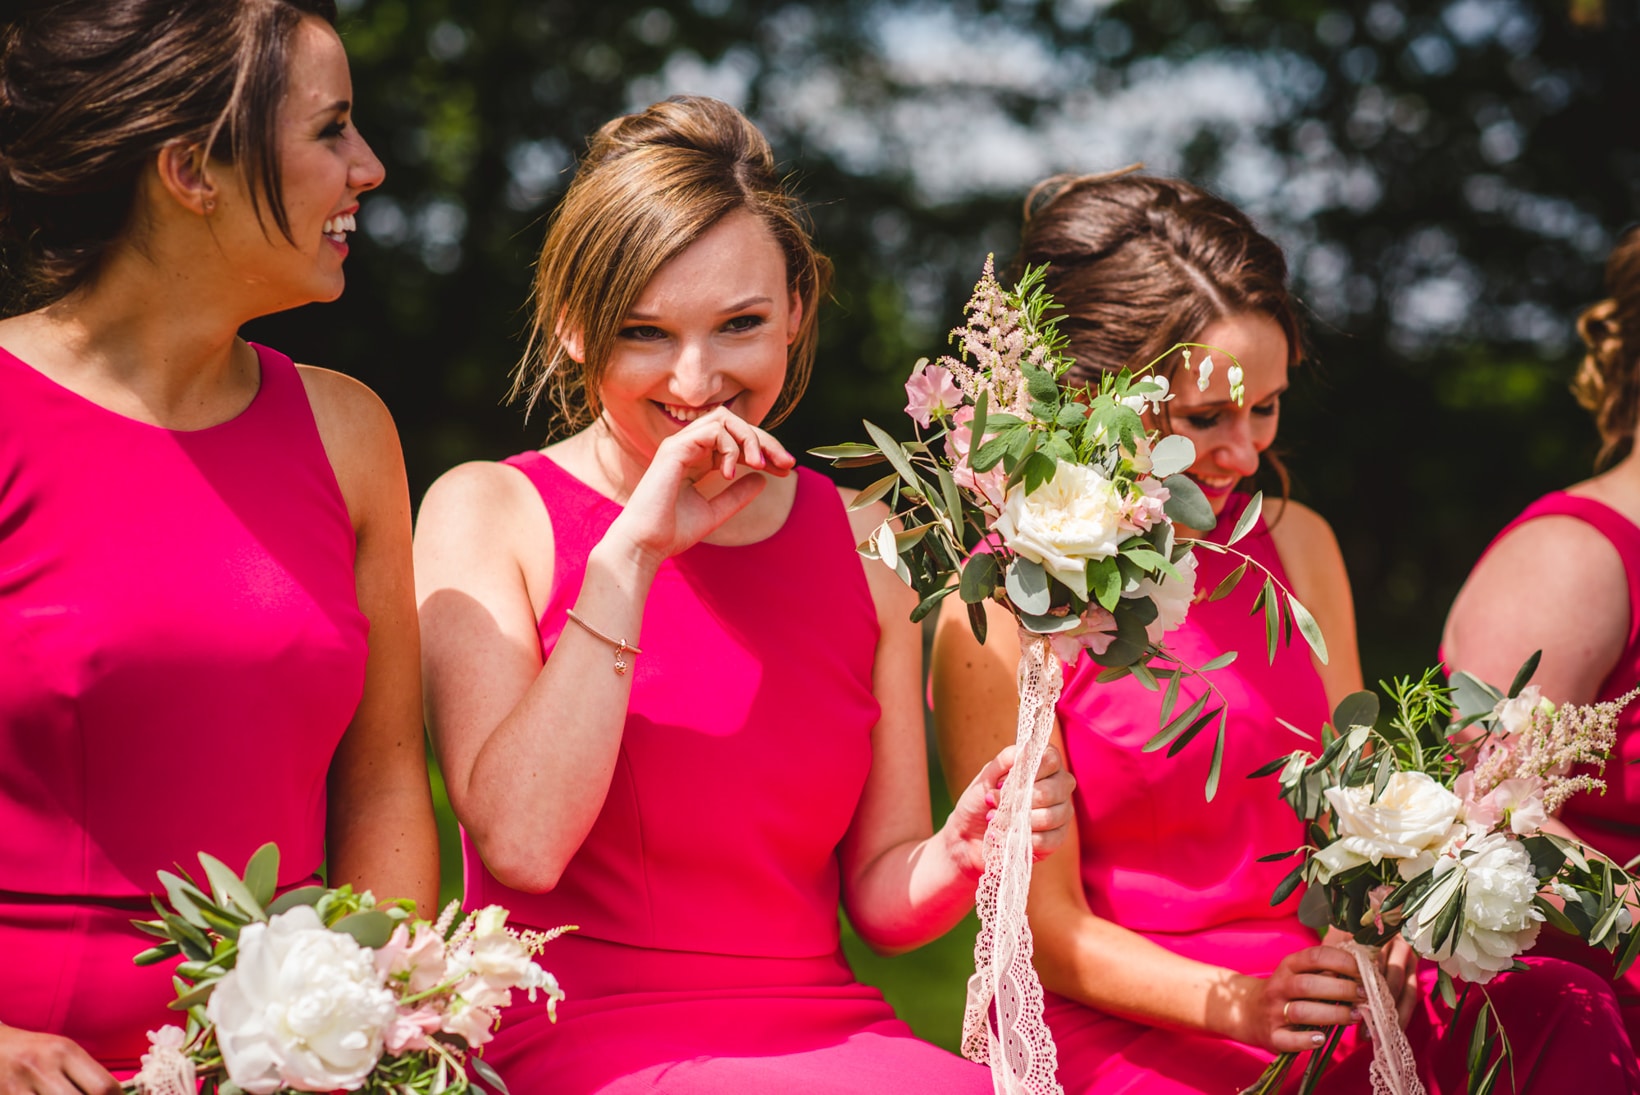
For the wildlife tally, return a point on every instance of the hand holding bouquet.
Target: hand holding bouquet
(326, 989)
(1432, 829)
(1060, 505)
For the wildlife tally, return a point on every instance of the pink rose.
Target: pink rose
(1144, 511)
(420, 961)
(931, 393)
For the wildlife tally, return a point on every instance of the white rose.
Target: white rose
(1517, 713)
(1064, 523)
(1498, 920)
(1413, 815)
(1171, 596)
(303, 1008)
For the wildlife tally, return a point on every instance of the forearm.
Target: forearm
(910, 895)
(1116, 970)
(539, 781)
(386, 842)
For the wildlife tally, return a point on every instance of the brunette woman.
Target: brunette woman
(1564, 578)
(673, 704)
(1168, 969)
(206, 614)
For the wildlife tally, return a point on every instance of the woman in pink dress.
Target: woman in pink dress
(207, 633)
(1167, 968)
(1564, 578)
(673, 704)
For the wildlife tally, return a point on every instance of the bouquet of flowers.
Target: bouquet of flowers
(1058, 504)
(1432, 829)
(326, 989)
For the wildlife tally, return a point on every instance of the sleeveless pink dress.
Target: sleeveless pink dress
(707, 891)
(1610, 822)
(1159, 859)
(181, 648)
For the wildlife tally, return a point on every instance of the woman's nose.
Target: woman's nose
(367, 171)
(695, 380)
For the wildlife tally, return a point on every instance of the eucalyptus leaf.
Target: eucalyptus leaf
(1027, 586)
(1272, 619)
(930, 603)
(371, 927)
(874, 492)
(487, 1073)
(846, 449)
(262, 873)
(1171, 455)
(1524, 673)
(1216, 769)
(1249, 518)
(1177, 725)
(1313, 911)
(977, 621)
(979, 577)
(1220, 662)
(896, 456)
(227, 886)
(1186, 504)
(1048, 624)
(1171, 696)
(1225, 587)
(1308, 628)
(1145, 677)
(1105, 582)
(1472, 696)
(302, 895)
(859, 461)
(1356, 709)
(1189, 735)
(1289, 882)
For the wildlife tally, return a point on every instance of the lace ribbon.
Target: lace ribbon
(1002, 1025)
(166, 1070)
(1394, 1072)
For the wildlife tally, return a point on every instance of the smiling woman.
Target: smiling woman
(205, 547)
(672, 704)
(1167, 967)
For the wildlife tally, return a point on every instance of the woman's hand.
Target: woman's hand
(666, 514)
(1400, 964)
(1051, 810)
(45, 1064)
(1314, 987)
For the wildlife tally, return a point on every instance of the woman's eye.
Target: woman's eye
(1265, 410)
(744, 323)
(642, 333)
(334, 129)
(1202, 421)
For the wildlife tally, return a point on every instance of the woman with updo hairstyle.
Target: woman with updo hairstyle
(672, 704)
(1564, 578)
(207, 624)
(1166, 967)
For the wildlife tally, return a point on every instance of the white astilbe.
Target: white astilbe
(997, 341)
(1550, 745)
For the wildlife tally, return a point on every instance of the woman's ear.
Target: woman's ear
(570, 339)
(185, 176)
(794, 317)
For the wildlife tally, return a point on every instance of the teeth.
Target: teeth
(338, 227)
(686, 414)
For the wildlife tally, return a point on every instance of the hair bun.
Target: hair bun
(1607, 383)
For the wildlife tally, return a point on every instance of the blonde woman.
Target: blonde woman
(673, 705)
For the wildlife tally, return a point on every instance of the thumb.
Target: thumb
(735, 497)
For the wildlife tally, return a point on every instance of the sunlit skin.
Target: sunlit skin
(1229, 437)
(711, 331)
(325, 165)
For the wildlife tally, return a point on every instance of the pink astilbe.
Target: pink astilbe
(1550, 746)
(997, 341)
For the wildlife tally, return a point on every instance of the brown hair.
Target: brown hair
(91, 90)
(1608, 381)
(651, 184)
(1140, 264)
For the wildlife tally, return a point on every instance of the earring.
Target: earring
(210, 205)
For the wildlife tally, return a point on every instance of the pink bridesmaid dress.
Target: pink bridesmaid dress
(181, 648)
(707, 959)
(1609, 822)
(1184, 873)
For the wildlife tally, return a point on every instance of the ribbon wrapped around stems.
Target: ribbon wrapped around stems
(1394, 1072)
(1002, 1025)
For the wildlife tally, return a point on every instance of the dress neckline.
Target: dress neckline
(262, 378)
(804, 486)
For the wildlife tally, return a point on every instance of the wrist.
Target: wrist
(1236, 1019)
(966, 854)
(631, 567)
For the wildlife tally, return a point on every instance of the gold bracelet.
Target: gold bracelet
(621, 645)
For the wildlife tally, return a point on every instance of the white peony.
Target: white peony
(303, 1008)
(1498, 920)
(1171, 596)
(1413, 816)
(1064, 523)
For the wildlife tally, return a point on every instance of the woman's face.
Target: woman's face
(712, 328)
(1229, 437)
(324, 166)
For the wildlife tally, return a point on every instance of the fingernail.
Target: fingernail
(1317, 1038)
(1360, 992)
(989, 814)
(1001, 780)
(1355, 1015)
(990, 798)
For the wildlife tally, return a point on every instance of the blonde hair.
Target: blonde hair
(1607, 383)
(650, 185)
